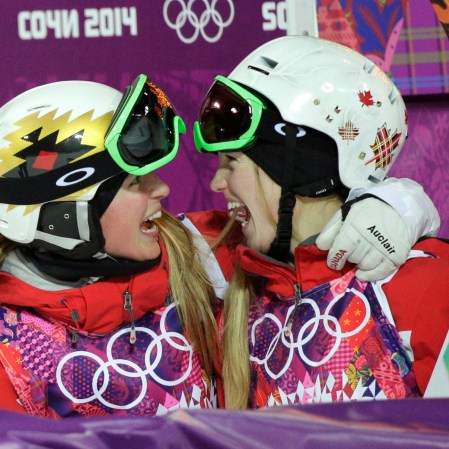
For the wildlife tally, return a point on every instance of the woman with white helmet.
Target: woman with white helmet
(298, 123)
(105, 306)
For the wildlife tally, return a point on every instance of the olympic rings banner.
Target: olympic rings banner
(182, 44)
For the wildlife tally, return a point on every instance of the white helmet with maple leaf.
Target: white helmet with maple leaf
(337, 91)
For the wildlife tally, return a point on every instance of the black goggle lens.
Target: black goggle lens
(224, 116)
(149, 135)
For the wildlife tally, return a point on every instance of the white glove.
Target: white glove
(407, 198)
(373, 236)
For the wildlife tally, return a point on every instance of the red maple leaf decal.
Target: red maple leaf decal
(366, 98)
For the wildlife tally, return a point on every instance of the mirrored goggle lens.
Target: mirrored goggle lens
(224, 116)
(149, 134)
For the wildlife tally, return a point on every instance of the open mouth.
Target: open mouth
(148, 226)
(240, 212)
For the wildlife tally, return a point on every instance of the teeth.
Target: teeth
(234, 205)
(153, 228)
(157, 214)
(147, 225)
(243, 214)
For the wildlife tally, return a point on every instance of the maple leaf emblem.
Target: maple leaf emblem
(366, 98)
(348, 132)
(384, 146)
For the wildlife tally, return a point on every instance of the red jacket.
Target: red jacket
(94, 312)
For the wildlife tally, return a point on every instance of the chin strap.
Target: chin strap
(280, 247)
(72, 270)
(73, 229)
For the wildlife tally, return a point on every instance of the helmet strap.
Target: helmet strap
(72, 229)
(280, 247)
(69, 228)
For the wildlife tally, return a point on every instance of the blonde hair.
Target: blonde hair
(236, 367)
(237, 301)
(192, 291)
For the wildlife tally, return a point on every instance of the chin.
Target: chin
(152, 254)
(258, 246)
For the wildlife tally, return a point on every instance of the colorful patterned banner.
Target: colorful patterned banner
(403, 37)
(441, 8)
(421, 61)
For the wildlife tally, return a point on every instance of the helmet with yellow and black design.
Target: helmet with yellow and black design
(62, 143)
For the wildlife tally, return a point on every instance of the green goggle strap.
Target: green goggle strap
(257, 108)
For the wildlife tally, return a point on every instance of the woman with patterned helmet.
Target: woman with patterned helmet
(105, 305)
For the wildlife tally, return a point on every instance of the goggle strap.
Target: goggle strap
(289, 160)
(41, 188)
(266, 129)
(347, 206)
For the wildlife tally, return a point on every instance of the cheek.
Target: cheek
(242, 181)
(112, 231)
(116, 218)
(274, 209)
(272, 193)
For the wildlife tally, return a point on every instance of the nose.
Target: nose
(219, 181)
(155, 187)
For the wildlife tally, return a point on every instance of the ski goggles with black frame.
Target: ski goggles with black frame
(145, 131)
(231, 118)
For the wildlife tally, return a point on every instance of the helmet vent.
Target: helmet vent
(394, 94)
(369, 66)
(269, 63)
(43, 106)
(258, 69)
(264, 65)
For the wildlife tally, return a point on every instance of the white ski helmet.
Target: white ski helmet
(60, 141)
(313, 114)
(327, 87)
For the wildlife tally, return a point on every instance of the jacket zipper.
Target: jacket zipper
(297, 291)
(74, 314)
(298, 302)
(128, 306)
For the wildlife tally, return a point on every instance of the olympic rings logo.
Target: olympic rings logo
(134, 371)
(199, 23)
(287, 339)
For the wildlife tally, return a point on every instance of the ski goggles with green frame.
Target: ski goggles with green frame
(145, 131)
(229, 118)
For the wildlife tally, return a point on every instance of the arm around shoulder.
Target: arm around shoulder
(410, 201)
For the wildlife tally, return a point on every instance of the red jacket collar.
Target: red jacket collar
(100, 306)
(310, 263)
